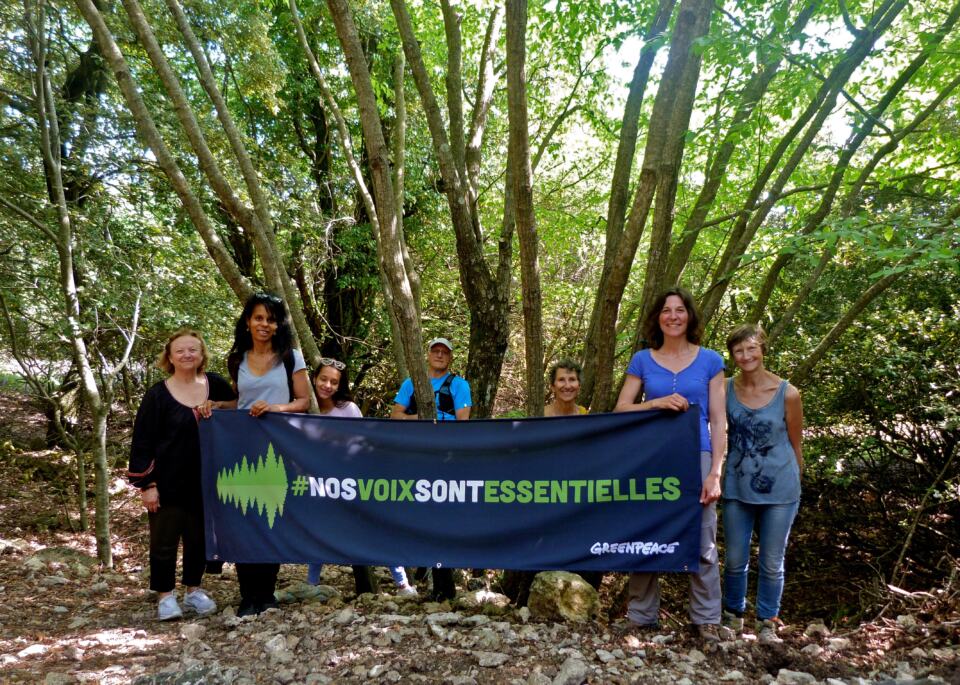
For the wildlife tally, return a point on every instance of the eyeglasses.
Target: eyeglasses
(335, 363)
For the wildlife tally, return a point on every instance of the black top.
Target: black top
(166, 443)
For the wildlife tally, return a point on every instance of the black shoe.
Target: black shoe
(248, 608)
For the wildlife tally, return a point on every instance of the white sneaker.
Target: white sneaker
(407, 591)
(168, 609)
(199, 601)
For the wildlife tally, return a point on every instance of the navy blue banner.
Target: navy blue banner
(607, 492)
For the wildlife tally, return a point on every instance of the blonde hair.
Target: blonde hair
(163, 359)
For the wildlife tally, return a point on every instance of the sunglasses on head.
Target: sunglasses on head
(335, 363)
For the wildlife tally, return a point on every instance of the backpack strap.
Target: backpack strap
(288, 362)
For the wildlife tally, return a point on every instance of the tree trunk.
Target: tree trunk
(388, 222)
(487, 296)
(670, 117)
(620, 187)
(519, 161)
(63, 239)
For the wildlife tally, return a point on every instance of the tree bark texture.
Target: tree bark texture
(519, 160)
(389, 243)
(620, 184)
(487, 296)
(668, 124)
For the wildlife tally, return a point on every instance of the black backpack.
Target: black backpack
(444, 398)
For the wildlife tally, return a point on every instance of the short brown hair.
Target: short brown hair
(567, 364)
(163, 359)
(651, 325)
(745, 332)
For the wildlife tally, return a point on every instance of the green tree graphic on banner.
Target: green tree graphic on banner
(262, 485)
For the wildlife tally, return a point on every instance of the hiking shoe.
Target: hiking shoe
(732, 621)
(767, 634)
(168, 609)
(199, 601)
(709, 632)
(407, 591)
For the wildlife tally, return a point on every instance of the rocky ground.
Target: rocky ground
(64, 619)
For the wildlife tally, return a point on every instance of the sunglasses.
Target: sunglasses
(328, 361)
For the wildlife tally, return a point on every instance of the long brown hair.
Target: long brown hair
(651, 325)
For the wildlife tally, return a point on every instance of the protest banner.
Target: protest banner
(608, 492)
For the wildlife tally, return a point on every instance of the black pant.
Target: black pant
(168, 525)
(257, 582)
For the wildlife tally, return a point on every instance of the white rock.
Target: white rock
(33, 650)
(788, 677)
(906, 621)
(732, 676)
(684, 681)
(276, 648)
(524, 614)
(376, 671)
(392, 676)
(573, 671)
(317, 679)
(283, 676)
(445, 618)
(813, 649)
(695, 656)
(344, 616)
(919, 653)
(662, 639)
(54, 678)
(491, 659)
(53, 581)
(816, 630)
(58, 609)
(838, 644)
(192, 631)
(604, 656)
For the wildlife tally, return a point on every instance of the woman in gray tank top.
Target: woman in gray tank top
(761, 486)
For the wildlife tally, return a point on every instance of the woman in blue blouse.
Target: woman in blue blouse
(673, 373)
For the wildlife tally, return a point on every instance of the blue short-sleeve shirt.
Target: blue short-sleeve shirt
(459, 388)
(693, 382)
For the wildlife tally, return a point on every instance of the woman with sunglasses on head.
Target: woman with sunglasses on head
(269, 376)
(331, 381)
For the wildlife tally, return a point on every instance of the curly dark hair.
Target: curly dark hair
(651, 324)
(282, 341)
(342, 395)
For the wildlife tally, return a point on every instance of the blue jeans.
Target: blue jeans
(772, 523)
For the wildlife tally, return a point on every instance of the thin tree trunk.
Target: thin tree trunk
(671, 110)
(149, 134)
(750, 96)
(816, 113)
(50, 149)
(519, 160)
(383, 189)
(487, 297)
(620, 186)
(364, 192)
(864, 130)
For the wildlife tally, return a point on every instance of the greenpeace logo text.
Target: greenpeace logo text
(644, 548)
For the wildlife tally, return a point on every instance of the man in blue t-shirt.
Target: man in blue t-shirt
(451, 392)
(452, 396)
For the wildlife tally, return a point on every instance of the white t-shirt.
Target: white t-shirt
(348, 410)
(271, 387)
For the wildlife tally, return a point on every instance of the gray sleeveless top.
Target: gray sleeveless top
(761, 464)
